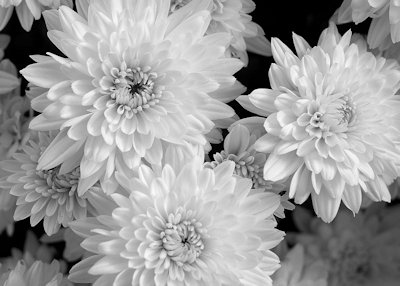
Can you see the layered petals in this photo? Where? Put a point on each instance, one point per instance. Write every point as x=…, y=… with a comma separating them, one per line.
x=332, y=122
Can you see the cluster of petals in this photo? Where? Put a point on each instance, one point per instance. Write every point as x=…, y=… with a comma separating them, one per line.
x=37, y=274
x=27, y=10
x=185, y=226
x=385, y=25
x=48, y=195
x=239, y=148
x=232, y=16
x=332, y=122
x=135, y=80
x=358, y=251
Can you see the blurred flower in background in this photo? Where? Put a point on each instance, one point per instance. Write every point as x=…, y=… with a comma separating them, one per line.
x=361, y=250
x=299, y=269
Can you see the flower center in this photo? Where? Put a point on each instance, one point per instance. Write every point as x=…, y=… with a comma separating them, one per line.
x=134, y=90
x=334, y=116
x=59, y=184
x=182, y=239
x=340, y=112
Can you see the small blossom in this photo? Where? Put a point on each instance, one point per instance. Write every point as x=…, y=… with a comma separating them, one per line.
x=239, y=148
x=332, y=122
x=27, y=10
x=218, y=233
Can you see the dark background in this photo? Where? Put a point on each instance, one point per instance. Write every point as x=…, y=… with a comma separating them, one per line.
x=278, y=19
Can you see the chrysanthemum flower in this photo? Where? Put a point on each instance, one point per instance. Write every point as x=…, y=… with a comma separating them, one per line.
x=37, y=274
x=192, y=226
x=232, y=16
x=48, y=195
x=135, y=80
x=298, y=269
x=239, y=148
x=27, y=10
x=359, y=251
x=385, y=14
x=333, y=122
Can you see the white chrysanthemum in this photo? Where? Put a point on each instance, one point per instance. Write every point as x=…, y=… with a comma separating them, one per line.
x=48, y=195
x=37, y=274
x=232, y=16
x=239, y=148
x=135, y=80
x=193, y=226
x=359, y=251
x=385, y=26
x=333, y=122
x=27, y=10
x=298, y=269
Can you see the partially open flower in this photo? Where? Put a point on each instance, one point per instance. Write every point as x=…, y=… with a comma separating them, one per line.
x=239, y=148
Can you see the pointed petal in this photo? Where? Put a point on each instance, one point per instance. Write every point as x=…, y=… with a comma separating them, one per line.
x=279, y=167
